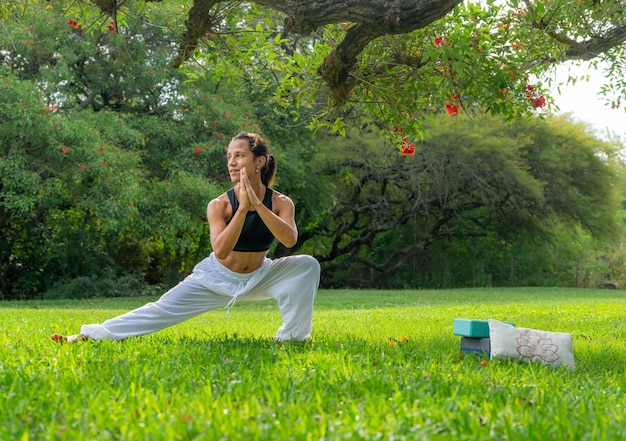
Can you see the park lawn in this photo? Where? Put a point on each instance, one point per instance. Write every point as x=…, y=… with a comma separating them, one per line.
x=381, y=365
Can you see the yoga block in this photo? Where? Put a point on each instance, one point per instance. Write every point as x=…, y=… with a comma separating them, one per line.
x=476, y=345
x=472, y=328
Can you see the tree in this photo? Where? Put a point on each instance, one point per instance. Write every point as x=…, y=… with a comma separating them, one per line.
x=402, y=59
x=107, y=153
x=478, y=179
x=108, y=158
x=64, y=190
x=102, y=170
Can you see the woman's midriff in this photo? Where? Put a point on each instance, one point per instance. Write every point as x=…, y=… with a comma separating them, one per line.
x=244, y=261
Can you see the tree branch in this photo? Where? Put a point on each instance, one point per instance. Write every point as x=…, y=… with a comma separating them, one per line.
x=198, y=24
x=371, y=18
x=591, y=48
x=366, y=20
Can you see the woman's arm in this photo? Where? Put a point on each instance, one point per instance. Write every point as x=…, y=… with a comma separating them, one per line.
x=223, y=236
x=280, y=220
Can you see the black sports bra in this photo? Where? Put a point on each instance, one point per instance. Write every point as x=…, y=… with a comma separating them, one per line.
x=255, y=236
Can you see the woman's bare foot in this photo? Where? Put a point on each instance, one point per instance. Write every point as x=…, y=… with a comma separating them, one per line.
x=68, y=338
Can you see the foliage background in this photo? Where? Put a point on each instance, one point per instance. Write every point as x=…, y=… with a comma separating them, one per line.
x=108, y=158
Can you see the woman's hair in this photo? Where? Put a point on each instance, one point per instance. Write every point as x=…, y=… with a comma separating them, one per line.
x=259, y=147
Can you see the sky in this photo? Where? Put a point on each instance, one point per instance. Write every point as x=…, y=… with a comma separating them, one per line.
x=584, y=104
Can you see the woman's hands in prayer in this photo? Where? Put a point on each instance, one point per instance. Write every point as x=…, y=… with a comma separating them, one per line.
x=247, y=196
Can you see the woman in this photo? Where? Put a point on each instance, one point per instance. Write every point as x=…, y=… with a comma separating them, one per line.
x=244, y=222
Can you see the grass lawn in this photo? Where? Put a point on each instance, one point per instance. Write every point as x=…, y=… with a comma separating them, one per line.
x=381, y=365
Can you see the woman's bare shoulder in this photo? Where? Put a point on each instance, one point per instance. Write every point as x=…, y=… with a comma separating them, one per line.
x=220, y=204
x=280, y=198
x=281, y=201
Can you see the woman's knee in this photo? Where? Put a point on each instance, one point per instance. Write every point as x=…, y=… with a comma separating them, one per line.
x=311, y=264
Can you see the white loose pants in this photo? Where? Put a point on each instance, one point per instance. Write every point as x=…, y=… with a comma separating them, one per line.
x=293, y=281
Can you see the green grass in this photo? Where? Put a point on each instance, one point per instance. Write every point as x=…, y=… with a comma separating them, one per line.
x=222, y=377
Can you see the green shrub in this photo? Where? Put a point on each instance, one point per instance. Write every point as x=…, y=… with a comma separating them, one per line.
x=84, y=287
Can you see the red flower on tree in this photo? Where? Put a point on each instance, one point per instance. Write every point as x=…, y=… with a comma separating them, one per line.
x=518, y=46
x=439, y=41
x=407, y=149
x=537, y=101
x=452, y=109
x=73, y=23
x=65, y=150
x=197, y=150
x=111, y=27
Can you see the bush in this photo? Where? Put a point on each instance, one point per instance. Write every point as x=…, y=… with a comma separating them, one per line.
x=127, y=285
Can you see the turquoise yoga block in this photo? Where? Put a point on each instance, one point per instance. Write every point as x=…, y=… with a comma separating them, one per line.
x=472, y=328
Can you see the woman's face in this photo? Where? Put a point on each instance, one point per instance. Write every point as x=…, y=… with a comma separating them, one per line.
x=239, y=156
